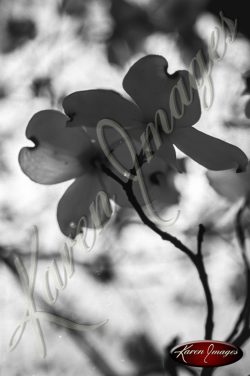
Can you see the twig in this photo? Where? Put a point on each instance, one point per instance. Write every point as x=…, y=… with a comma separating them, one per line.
x=200, y=238
x=204, y=280
x=171, y=366
x=80, y=340
x=196, y=259
x=127, y=186
x=244, y=315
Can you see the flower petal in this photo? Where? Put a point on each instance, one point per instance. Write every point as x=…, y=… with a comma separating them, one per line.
x=124, y=156
x=210, y=152
x=229, y=184
x=167, y=153
x=59, y=152
x=78, y=201
x=87, y=108
x=150, y=86
x=158, y=182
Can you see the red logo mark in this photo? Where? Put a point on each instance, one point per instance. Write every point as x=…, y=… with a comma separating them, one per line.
x=206, y=353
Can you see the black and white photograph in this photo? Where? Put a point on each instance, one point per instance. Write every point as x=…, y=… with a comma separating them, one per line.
x=124, y=188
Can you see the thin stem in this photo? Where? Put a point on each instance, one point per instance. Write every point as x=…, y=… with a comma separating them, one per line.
x=196, y=259
x=127, y=186
x=200, y=238
x=209, y=326
x=244, y=315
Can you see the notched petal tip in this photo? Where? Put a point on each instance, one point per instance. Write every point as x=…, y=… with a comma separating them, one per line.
x=86, y=108
x=242, y=162
x=21, y=157
x=24, y=160
x=152, y=88
x=242, y=168
x=40, y=122
x=34, y=140
x=142, y=64
x=70, y=119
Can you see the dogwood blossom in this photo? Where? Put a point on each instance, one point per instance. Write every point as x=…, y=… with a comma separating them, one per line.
x=62, y=153
x=152, y=89
x=67, y=147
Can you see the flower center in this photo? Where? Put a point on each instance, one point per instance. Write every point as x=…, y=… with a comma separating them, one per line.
x=91, y=160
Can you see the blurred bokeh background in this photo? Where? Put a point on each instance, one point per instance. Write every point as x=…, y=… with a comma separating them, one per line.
x=149, y=291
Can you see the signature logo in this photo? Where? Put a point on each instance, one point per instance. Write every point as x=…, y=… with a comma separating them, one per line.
x=206, y=353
